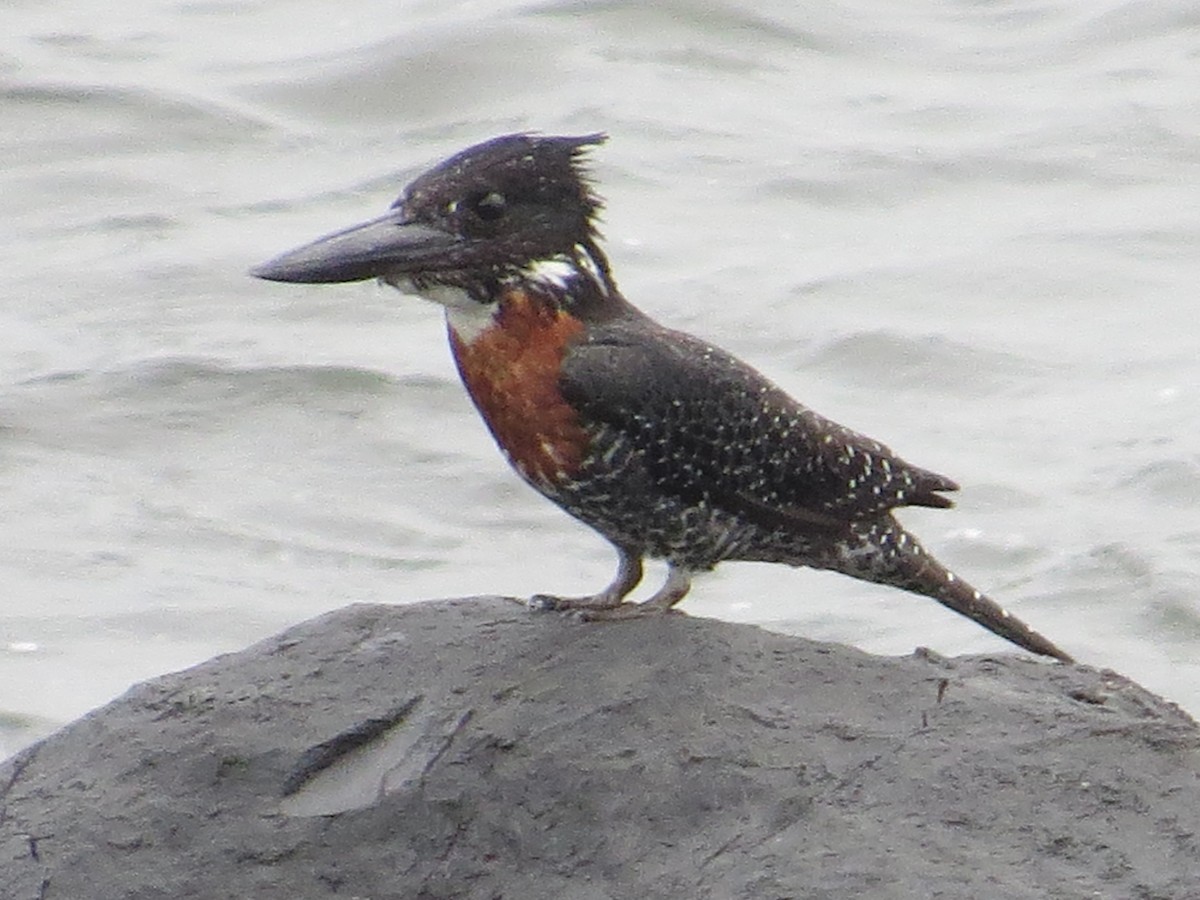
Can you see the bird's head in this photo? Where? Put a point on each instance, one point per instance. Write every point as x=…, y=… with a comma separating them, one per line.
x=506, y=209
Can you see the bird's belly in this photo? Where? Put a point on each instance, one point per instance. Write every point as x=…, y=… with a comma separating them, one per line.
x=614, y=493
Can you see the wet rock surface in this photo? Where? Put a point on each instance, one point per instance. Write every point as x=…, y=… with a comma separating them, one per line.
x=475, y=749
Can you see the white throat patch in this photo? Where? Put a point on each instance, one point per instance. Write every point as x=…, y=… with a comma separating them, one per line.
x=469, y=322
x=469, y=318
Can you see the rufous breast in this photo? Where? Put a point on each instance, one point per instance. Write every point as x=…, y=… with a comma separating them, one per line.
x=511, y=368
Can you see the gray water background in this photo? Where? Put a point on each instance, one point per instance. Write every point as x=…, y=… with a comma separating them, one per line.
x=969, y=229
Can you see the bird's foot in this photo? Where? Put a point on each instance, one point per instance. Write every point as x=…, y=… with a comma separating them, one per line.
x=598, y=608
x=624, y=611
x=608, y=605
x=577, y=606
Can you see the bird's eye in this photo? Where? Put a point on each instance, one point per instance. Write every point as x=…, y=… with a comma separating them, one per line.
x=489, y=206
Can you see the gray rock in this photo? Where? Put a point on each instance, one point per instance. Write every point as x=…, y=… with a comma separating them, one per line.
x=474, y=749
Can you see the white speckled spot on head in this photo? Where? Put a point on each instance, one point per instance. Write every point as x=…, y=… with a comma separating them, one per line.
x=588, y=266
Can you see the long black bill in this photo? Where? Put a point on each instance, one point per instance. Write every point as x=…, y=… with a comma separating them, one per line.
x=383, y=246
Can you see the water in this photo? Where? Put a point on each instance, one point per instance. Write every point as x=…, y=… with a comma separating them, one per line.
x=968, y=229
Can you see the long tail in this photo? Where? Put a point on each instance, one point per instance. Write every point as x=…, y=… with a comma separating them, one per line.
x=890, y=555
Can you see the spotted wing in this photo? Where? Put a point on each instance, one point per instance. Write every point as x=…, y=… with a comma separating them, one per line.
x=708, y=426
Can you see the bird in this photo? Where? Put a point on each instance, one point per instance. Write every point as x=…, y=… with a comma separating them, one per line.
x=668, y=446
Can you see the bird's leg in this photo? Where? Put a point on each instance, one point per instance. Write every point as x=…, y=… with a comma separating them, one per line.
x=679, y=581
x=629, y=573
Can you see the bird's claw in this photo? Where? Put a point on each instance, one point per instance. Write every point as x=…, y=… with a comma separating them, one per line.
x=544, y=602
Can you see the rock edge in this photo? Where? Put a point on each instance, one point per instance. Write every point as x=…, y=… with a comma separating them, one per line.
x=474, y=749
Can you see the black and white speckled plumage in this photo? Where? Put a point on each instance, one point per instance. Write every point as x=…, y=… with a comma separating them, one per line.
x=691, y=425
x=688, y=454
